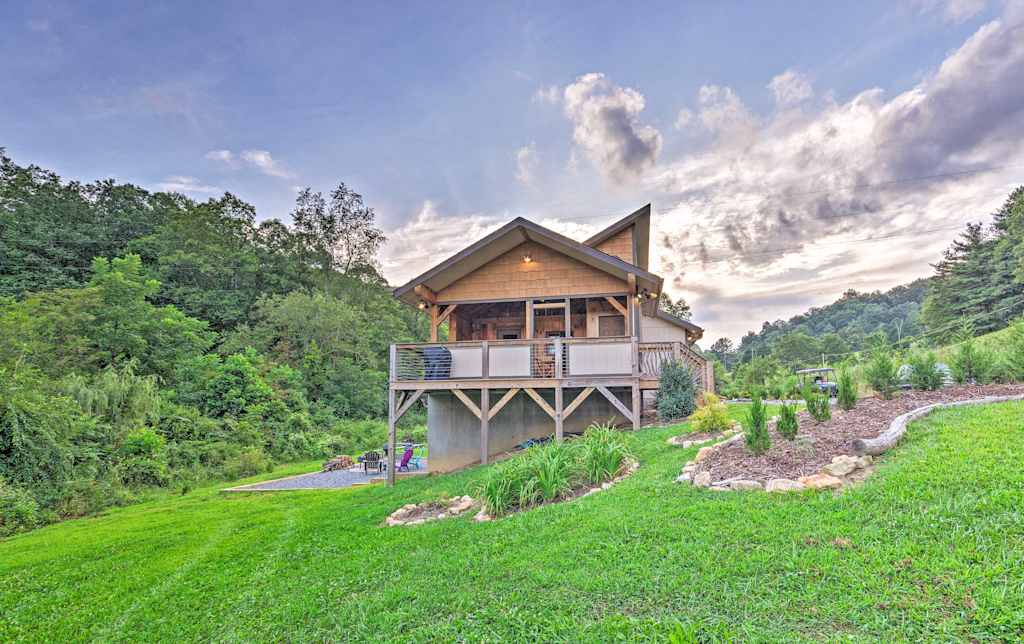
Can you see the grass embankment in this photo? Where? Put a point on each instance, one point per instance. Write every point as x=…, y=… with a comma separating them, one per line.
x=930, y=547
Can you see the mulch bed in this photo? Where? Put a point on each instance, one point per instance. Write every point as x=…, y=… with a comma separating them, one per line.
x=816, y=443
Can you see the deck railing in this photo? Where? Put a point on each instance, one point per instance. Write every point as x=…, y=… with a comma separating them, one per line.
x=506, y=359
x=653, y=355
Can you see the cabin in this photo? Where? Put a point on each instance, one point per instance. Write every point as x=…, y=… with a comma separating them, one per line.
x=532, y=335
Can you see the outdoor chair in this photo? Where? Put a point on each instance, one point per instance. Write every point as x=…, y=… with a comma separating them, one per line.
x=406, y=457
x=372, y=460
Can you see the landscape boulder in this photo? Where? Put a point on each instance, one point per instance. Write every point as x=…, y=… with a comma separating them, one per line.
x=841, y=466
x=744, y=484
x=821, y=481
x=785, y=485
x=702, y=479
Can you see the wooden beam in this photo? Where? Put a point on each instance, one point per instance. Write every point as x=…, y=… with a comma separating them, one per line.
x=425, y=293
x=558, y=414
x=568, y=318
x=392, y=423
x=470, y=405
x=618, y=307
x=638, y=402
x=504, y=400
x=537, y=398
x=433, y=323
x=448, y=310
x=571, y=407
x=529, y=319
x=549, y=305
x=485, y=430
x=409, y=401
x=615, y=402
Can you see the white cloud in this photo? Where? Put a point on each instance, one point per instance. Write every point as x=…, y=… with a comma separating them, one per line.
x=790, y=88
x=551, y=95
x=260, y=160
x=606, y=127
x=764, y=230
x=683, y=118
x=224, y=156
x=185, y=184
x=953, y=11
x=723, y=113
x=526, y=164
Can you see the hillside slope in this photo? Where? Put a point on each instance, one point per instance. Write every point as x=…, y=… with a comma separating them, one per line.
x=895, y=559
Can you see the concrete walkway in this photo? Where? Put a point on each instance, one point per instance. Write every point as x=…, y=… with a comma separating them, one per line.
x=321, y=480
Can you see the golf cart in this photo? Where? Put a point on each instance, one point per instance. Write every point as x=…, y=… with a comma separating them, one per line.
x=818, y=379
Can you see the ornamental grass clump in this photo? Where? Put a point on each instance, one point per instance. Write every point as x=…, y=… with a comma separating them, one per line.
x=554, y=471
x=788, y=423
x=755, y=429
x=846, y=395
x=712, y=415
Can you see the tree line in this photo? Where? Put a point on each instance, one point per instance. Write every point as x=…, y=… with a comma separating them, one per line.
x=148, y=340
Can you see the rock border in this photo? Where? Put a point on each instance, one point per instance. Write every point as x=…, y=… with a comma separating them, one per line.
x=409, y=514
x=631, y=467
x=891, y=436
x=680, y=440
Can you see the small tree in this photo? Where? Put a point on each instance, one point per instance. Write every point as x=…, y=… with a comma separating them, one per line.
x=847, y=394
x=788, y=423
x=881, y=372
x=755, y=429
x=924, y=371
x=677, y=391
x=817, y=405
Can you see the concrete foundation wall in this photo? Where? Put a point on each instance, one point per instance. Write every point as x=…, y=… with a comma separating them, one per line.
x=453, y=432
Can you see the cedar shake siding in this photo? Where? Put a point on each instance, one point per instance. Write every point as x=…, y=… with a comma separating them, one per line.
x=550, y=273
x=620, y=245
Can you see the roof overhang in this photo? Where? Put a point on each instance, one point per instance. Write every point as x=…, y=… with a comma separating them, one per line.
x=508, y=237
x=693, y=331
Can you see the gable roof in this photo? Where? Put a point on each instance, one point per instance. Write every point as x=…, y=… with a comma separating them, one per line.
x=641, y=220
x=506, y=238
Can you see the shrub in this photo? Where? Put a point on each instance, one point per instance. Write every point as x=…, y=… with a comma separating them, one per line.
x=677, y=391
x=924, y=371
x=847, y=393
x=712, y=415
x=788, y=423
x=18, y=510
x=971, y=363
x=818, y=406
x=880, y=372
x=755, y=429
x=1014, y=355
x=249, y=462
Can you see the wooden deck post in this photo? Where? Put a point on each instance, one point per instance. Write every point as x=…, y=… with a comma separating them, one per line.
x=558, y=413
x=485, y=417
x=637, y=404
x=392, y=423
x=529, y=319
x=433, y=323
x=485, y=359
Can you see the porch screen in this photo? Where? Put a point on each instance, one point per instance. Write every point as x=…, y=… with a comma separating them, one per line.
x=611, y=325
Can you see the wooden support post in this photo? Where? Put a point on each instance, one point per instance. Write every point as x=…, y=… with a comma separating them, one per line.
x=614, y=400
x=571, y=407
x=631, y=305
x=485, y=359
x=677, y=350
x=392, y=424
x=543, y=404
x=529, y=319
x=433, y=323
x=392, y=363
x=485, y=417
x=635, y=357
x=467, y=401
x=637, y=405
x=509, y=395
x=559, y=352
x=568, y=318
x=558, y=413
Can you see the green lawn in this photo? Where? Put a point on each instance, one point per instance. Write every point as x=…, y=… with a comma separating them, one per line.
x=935, y=551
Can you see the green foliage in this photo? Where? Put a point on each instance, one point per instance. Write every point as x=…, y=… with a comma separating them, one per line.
x=677, y=391
x=797, y=349
x=755, y=427
x=18, y=510
x=755, y=374
x=924, y=370
x=788, y=424
x=846, y=394
x=553, y=471
x=880, y=372
x=711, y=416
x=1014, y=352
x=818, y=405
x=971, y=363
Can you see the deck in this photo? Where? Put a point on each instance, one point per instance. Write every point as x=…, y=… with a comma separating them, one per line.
x=507, y=367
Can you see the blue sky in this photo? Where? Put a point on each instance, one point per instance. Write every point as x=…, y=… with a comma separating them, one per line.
x=452, y=117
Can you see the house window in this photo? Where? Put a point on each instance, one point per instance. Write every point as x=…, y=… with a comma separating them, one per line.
x=611, y=325
x=508, y=334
